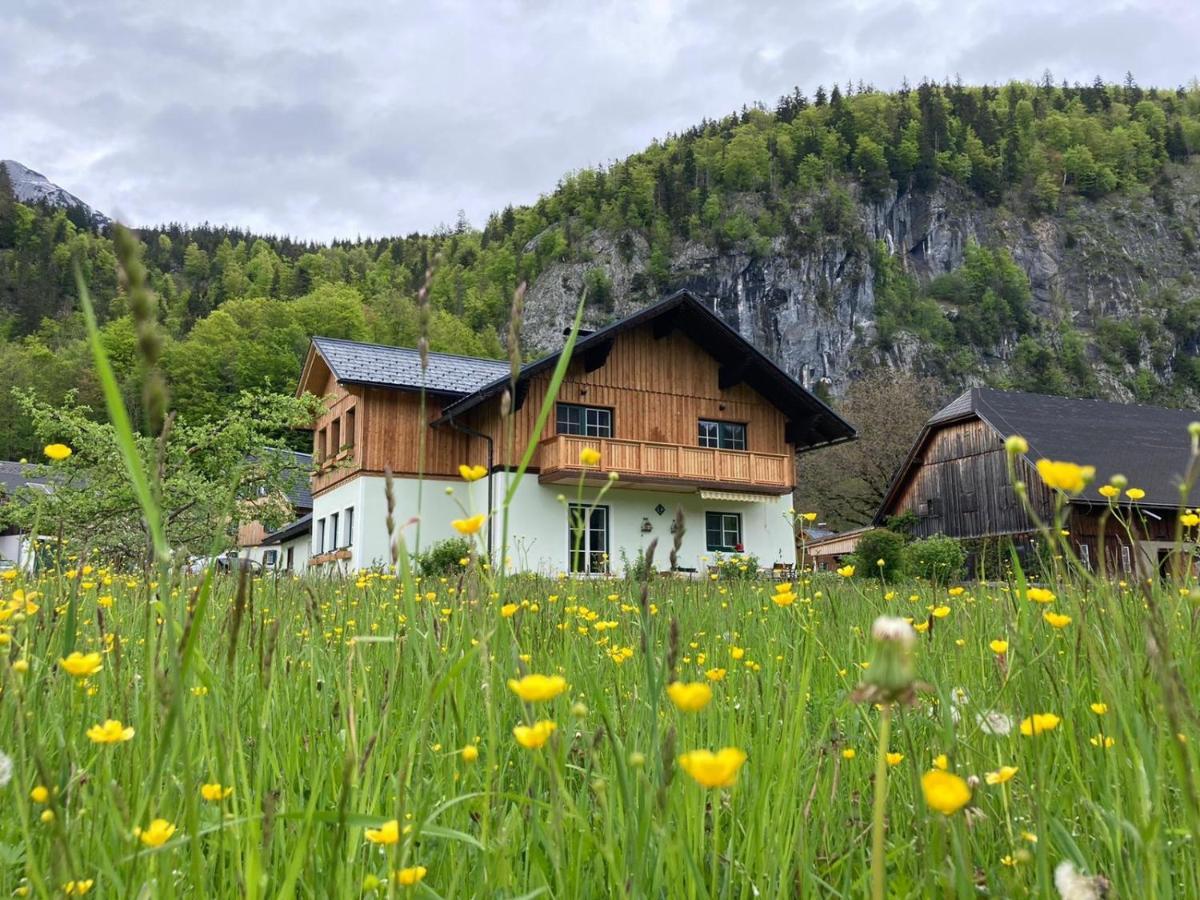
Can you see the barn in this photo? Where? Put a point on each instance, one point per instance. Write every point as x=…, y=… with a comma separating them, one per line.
x=956, y=482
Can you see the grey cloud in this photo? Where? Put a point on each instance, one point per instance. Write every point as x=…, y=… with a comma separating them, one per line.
x=322, y=120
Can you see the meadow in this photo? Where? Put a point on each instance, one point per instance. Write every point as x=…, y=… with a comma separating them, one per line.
x=369, y=737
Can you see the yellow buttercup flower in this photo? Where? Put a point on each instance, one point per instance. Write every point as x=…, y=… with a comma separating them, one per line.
x=1001, y=775
x=409, y=876
x=1067, y=477
x=809, y=516
x=783, y=598
x=57, y=452
x=945, y=792
x=215, y=792
x=999, y=647
x=508, y=610
x=471, y=473
x=1189, y=520
x=469, y=753
x=713, y=770
x=589, y=456
x=157, y=834
x=1102, y=740
x=78, y=887
x=941, y=612
x=691, y=696
x=388, y=833
x=1058, y=620
x=39, y=794
x=1099, y=708
x=1039, y=723
x=1040, y=595
x=715, y=674
x=538, y=688
x=846, y=571
x=534, y=736
x=849, y=753
x=1109, y=491
x=1135, y=493
x=941, y=761
x=82, y=665
x=894, y=759
x=111, y=732
x=1016, y=445
x=470, y=525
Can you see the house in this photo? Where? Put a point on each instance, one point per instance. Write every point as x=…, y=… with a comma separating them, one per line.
x=955, y=480
x=16, y=478
x=826, y=552
x=681, y=408
x=253, y=540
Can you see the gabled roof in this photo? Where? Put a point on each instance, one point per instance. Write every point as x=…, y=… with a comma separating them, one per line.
x=1149, y=445
x=291, y=531
x=377, y=365
x=811, y=423
x=297, y=472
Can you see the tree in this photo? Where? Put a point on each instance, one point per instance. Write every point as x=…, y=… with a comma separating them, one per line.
x=215, y=473
x=846, y=483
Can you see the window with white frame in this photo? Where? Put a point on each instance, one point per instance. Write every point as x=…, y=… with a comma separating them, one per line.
x=722, y=435
x=723, y=532
x=333, y=532
x=348, y=527
x=588, y=421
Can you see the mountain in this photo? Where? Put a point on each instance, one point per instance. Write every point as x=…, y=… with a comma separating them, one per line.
x=1029, y=236
x=35, y=188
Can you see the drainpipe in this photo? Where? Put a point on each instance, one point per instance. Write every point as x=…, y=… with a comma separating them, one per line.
x=457, y=426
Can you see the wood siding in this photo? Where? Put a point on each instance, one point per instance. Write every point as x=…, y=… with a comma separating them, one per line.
x=959, y=486
x=658, y=389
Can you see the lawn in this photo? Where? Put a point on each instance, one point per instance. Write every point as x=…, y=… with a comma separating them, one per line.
x=278, y=727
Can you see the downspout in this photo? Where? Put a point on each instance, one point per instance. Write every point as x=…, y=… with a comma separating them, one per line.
x=490, y=460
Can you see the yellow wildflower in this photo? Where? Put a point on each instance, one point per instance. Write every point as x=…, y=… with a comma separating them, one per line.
x=81, y=665
x=713, y=770
x=215, y=792
x=57, y=452
x=388, y=833
x=690, y=696
x=471, y=473
x=999, y=647
x=111, y=732
x=469, y=753
x=1001, y=775
x=1038, y=723
x=846, y=571
x=1058, y=620
x=589, y=456
x=157, y=834
x=945, y=792
x=1040, y=595
x=1099, y=708
x=894, y=759
x=1065, y=476
x=537, y=688
x=1135, y=493
x=470, y=525
x=531, y=737
x=409, y=876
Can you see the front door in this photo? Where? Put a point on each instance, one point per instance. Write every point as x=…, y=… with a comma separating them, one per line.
x=587, y=539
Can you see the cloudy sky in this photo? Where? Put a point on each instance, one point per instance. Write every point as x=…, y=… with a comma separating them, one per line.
x=344, y=118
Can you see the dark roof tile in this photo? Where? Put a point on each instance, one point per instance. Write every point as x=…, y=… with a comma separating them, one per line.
x=400, y=367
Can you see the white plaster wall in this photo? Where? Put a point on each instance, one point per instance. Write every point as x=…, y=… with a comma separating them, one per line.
x=15, y=547
x=423, y=513
x=538, y=537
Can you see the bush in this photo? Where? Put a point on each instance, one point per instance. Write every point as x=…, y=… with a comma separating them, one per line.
x=737, y=566
x=937, y=558
x=442, y=558
x=876, y=545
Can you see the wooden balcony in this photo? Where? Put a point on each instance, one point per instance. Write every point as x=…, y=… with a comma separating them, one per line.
x=673, y=467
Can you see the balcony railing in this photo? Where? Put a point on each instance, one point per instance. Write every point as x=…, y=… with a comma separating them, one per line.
x=667, y=464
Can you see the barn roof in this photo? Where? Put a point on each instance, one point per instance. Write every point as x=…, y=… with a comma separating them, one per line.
x=291, y=531
x=1149, y=445
x=377, y=365
x=811, y=423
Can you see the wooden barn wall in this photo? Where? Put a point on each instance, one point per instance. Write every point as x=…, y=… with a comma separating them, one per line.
x=657, y=388
x=963, y=468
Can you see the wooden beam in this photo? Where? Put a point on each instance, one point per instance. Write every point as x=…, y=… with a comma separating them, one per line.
x=595, y=357
x=731, y=374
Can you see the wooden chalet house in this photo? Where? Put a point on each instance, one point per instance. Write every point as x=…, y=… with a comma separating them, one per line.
x=680, y=406
x=956, y=482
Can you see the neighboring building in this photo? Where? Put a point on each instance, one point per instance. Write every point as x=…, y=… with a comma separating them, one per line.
x=252, y=537
x=15, y=545
x=289, y=548
x=825, y=552
x=955, y=480
x=679, y=405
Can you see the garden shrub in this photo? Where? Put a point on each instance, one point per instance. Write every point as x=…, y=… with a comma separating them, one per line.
x=938, y=558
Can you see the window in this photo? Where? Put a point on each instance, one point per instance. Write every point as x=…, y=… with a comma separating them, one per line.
x=291, y=557
x=587, y=539
x=722, y=435
x=1085, y=556
x=270, y=557
x=723, y=531
x=348, y=528
x=319, y=537
x=319, y=446
x=348, y=435
x=333, y=531
x=1125, y=559
x=335, y=437
x=589, y=421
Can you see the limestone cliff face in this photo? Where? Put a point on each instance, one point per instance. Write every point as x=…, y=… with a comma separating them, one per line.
x=810, y=304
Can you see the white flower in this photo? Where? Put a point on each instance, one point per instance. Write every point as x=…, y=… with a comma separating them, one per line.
x=1073, y=886
x=893, y=628
x=6, y=768
x=992, y=722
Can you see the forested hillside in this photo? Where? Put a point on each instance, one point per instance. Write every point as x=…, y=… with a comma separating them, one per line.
x=1030, y=235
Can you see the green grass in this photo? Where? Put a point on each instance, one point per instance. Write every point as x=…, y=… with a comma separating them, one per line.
x=346, y=703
